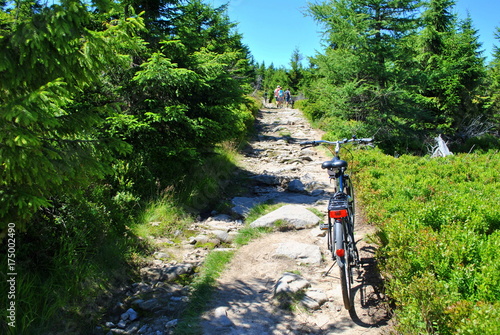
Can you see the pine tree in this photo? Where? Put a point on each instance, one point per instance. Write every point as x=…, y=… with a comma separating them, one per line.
x=185, y=96
x=295, y=74
x=49, y=143
x=452, y=68
x=157, y=15
x=470, y=72
x=494, y=82
x=438, y=26
x=360, y=67
x=438, y=22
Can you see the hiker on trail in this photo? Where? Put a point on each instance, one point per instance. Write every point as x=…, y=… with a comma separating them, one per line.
x=280, y=96
x=277, y=95
x=288, y=98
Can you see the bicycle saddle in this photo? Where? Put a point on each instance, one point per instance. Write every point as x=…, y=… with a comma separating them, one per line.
x=335, y=163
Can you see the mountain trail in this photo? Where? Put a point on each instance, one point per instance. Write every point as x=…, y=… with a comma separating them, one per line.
x=244, y=301
x=280, y=283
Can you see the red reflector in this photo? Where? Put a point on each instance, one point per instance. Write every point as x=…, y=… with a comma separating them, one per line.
x=340, y=252
x=338, y=214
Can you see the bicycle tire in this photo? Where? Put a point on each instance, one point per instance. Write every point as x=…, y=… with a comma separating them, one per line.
x=344, y=263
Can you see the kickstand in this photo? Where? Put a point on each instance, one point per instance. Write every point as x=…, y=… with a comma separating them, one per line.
x=330, y=269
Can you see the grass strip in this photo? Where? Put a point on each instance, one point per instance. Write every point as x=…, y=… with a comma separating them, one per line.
x=202, y=289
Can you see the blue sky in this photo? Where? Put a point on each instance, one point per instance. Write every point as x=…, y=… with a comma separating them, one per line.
x=273, y=29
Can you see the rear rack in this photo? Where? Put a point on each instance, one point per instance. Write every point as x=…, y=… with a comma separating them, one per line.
x=338, y=201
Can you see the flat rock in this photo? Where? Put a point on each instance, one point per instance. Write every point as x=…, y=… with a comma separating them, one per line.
x=302, y=252
x=153, y=274
x=313, y=298
x=243, y=205
x=295, y=215
x=290, y=283
x=149, y=305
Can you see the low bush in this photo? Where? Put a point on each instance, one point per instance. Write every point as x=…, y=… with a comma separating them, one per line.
x=438, y=223
x=74, y=254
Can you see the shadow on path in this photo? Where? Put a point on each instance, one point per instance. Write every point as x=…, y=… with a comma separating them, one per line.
x=370, y=308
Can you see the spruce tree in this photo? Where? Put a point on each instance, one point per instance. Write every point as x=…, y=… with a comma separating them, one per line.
x=295, y=74
x=50, y=144
x=359, y=70
x=494, y=82
x=452, y=69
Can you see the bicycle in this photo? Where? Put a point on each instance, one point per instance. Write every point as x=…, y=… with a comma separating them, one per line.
x=340, y=226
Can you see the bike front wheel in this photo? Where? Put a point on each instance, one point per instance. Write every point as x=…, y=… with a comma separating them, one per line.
x=349, y=190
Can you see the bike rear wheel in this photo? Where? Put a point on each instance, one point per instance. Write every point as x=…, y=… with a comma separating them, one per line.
x=344, y=256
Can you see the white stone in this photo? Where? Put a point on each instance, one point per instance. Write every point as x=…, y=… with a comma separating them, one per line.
x=304, y=253
x=290, y=283
x=296, y=215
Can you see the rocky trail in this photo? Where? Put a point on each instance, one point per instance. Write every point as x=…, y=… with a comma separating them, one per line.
x=253, y=293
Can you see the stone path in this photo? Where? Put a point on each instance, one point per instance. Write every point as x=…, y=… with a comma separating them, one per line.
x=248, y=298
x=274, y=285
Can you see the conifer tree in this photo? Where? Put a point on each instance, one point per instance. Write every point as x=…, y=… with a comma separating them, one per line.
x=157, y=16
x=452, y=68
x=494, y=81
x=295, y=74
x=49, y=143
x=360, y=65
x=185, y=96
x=469, y=73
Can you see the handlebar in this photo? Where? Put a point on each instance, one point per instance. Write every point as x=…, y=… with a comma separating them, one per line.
x=344, y=141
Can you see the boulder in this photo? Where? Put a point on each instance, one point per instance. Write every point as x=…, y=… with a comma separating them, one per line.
x=243, y=205
x=296, y=186
x=290, y=283
x=295, y=215
x=313, y=298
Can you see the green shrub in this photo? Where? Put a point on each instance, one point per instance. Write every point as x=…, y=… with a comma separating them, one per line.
x=439, y=237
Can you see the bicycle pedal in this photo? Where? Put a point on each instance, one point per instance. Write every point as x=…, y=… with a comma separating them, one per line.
x=323, y=226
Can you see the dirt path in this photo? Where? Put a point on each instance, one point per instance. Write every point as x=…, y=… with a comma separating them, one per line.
x=243, y=302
